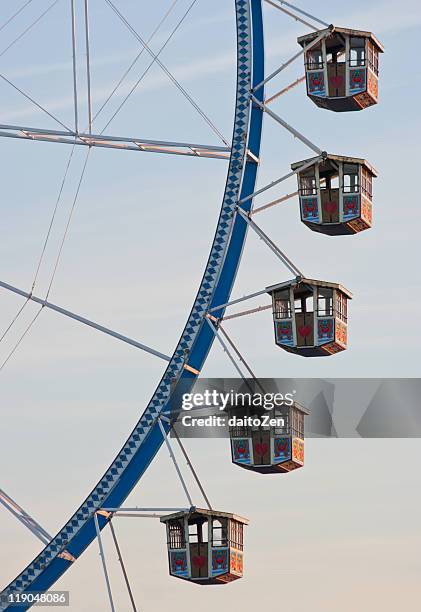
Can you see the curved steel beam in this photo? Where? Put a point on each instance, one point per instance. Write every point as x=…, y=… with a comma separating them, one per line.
x=196, y=339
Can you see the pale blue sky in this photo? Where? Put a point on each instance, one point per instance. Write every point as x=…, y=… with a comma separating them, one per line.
x=346, y=524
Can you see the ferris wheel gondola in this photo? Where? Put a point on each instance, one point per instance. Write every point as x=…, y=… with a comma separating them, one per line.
x=342, y=68
x=205, y=546
x=335, y=194
x=275, y=448
x=310, y=317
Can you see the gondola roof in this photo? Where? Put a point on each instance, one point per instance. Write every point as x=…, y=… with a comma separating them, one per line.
x=206, y=512
x=318, y=283
x=339, y=158
x=307, y=38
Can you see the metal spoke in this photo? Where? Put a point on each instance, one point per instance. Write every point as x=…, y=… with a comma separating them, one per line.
x=123, y=567
x=174, y=460
x=88, y=66
x=251, y=296
x=224, y=346
x=53, y=217
x=104, y=563
x=167, y=72
x=74, y=64
x=13, y=321
x=284, y=198
x=104, y=104
x=288, y=127
x=67, y=313
x=145, y=72
x=30, y=523
x=40, y=260
x=237, y=352
x=189, y=463
x=238, y=300
x=266, y=187
x=295, y=17
x=22, y=516
x=116, y=511
x=284, y=90
x=298, y=10
x=279, y=180
x=216, y=327
x=292, y=59
x=66, y=230
x=244, y=313
x=28, y=97
x=116, y=142
x=28, y=28
x=21, y=339
x=6, y=23
x=275, y=249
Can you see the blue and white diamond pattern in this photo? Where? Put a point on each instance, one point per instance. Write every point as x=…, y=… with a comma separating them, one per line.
x=192, y=328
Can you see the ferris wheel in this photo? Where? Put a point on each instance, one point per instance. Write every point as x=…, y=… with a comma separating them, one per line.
x=310, y=316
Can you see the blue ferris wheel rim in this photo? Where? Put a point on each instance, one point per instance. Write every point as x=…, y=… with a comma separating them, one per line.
x=197, y=337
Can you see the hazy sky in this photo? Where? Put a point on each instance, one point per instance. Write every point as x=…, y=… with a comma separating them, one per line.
x=338, y=536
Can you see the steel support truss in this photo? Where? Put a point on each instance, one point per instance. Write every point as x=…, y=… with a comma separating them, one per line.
x=115, y=142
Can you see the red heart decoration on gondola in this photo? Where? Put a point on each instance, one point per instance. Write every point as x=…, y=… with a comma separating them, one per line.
x=337, y=80
x=331, y=207
x=305, y=330
x=261, y=449
x=199, y=561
